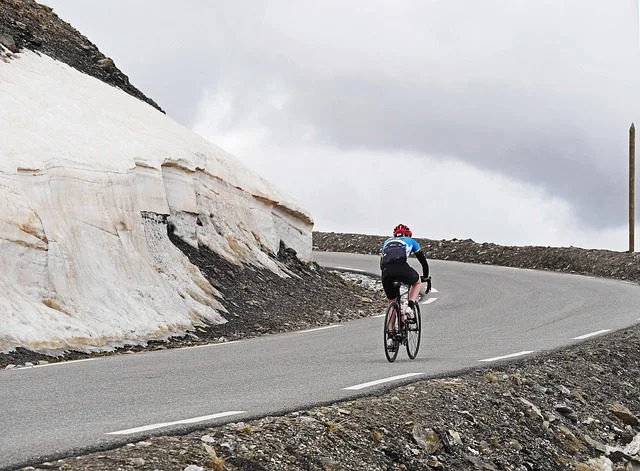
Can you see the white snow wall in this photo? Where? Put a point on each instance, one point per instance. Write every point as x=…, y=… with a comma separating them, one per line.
x=88, y=177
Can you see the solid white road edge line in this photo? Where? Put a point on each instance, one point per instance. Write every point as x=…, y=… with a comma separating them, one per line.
x=209, y=345
x=512, y=355
x=592, y=334
x=380, y=381
x=350, y=269
x=57, y=363
x=64, y=362
x=177, y=422
x=429, y=301
x=316, y=329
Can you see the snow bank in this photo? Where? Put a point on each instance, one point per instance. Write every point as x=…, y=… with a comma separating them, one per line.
x=89, y=178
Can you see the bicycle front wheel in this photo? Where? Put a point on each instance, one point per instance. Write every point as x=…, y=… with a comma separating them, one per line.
x=391, y=332
x=414, y=329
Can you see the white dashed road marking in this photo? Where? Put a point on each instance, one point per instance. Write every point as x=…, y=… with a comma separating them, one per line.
x=380, y=381
x=592, y=334
x=433, y=290
x=429, y=301
x=512, y=355
x=177, y=422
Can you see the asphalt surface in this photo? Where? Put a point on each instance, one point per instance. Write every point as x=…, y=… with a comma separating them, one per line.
x=478, y=315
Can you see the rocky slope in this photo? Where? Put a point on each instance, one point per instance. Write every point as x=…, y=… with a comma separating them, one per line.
x=29, y=25
x=250, y=311
x=572, y=409
x=593, y=262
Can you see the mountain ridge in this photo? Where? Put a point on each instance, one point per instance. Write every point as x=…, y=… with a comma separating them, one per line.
x=30, y=25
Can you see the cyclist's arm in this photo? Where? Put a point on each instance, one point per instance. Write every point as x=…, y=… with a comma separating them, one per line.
x=423, y=261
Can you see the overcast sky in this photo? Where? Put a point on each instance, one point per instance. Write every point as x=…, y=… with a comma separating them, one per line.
x=498, y=120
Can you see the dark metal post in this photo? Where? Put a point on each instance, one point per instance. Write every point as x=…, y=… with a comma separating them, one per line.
x=632, y=186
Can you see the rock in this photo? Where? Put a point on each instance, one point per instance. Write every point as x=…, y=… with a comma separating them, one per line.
x=434, y=463
x=633, y=448
x=540, y=389
x=428, y=440
x=623, y=414
x=570, y=442
x=106, y=63
x=515, y=444
x=601, y=447
x=8, y=42
x=578, y=396
x=305, y=419
x=564, y=390
x=467, y=415
x=229, y=447
x=595, y=464
x=329, y=464
x=567, y=411
x=454, y=437
x=193, y=467
x=533, y=411
x=477, y=463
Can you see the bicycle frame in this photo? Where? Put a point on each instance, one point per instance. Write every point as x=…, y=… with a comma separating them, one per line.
x=398, y=301
x=407, y=328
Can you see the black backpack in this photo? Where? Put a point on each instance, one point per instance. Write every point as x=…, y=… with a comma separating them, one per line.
x=394, y=252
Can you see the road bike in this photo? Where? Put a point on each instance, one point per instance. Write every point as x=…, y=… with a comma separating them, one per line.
x=400, y=328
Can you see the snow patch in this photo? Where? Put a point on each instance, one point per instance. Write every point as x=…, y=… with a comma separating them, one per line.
x=91, y=179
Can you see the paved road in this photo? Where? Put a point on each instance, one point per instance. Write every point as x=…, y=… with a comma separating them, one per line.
x=479, y=314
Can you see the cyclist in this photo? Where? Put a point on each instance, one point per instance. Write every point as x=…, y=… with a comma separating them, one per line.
x=393, y=263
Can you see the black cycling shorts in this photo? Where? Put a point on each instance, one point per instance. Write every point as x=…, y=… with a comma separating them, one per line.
x=401, y=272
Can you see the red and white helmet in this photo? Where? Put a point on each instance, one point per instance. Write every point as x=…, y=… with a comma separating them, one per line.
x=402, y=230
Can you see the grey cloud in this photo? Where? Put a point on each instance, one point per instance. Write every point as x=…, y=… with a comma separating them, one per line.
x=539, y=91
x=513, y=132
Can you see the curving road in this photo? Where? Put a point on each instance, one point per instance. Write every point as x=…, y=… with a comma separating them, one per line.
x=478, y=315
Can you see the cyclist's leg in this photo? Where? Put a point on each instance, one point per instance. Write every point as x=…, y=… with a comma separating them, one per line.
x=414, y=290
x=410, y=277
x=391, y=292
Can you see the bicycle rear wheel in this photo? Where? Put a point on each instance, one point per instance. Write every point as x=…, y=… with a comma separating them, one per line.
x=414, y=330
x=391, y=332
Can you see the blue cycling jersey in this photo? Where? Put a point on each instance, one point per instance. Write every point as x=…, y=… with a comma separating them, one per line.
x=397, y=249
